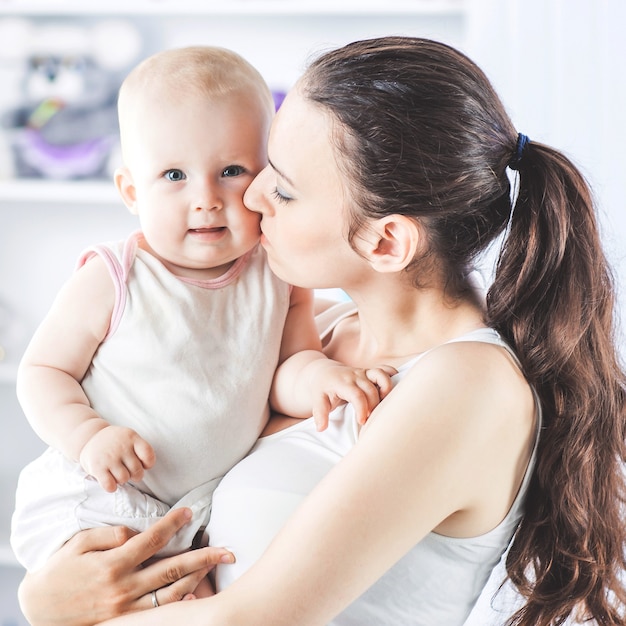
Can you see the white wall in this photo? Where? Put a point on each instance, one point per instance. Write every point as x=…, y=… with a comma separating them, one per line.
x=279, y=48
x=560, y=67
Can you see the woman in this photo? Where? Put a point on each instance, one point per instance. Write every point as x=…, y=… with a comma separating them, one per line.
x=388, y=177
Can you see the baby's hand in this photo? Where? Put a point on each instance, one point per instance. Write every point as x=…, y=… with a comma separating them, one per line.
x=115, y=455
x=333, y=384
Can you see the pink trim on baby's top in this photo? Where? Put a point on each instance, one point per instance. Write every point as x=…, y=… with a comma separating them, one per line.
x=225, y=279
x=118, y=273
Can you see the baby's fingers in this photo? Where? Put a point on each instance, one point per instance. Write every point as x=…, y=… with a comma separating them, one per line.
x=381, y=377
x=139, y=458
x=145, y=453
x=106, y=479
x=134, y=469
x=375, y=385
x=363, y=398
x=321, y=411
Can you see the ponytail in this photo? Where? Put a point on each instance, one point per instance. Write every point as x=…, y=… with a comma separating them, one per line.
x=429, y=138
x=552, y=299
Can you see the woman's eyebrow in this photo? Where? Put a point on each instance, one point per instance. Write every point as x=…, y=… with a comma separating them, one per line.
x=286, y=178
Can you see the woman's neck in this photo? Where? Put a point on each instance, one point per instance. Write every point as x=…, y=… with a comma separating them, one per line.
x=395, y=323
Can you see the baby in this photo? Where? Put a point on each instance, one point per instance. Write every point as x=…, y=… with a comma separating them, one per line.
x=150, y=376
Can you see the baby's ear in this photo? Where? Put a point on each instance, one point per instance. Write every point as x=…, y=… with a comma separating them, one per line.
x=124, y=183
x=394, y=241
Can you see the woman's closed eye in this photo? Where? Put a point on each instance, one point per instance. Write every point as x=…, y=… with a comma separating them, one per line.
x=281, y=196
x=174, y=175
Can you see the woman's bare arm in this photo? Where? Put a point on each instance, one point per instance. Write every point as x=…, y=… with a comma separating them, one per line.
x=434, y=455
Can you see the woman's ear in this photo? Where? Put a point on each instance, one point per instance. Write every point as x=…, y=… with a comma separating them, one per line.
x=393, y=242
x=124, y=183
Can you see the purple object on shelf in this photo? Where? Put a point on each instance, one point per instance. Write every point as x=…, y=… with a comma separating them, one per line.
x=63, y=161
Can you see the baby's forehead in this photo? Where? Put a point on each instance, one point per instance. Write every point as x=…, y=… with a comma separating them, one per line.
x=168, y=128
x=166, y=96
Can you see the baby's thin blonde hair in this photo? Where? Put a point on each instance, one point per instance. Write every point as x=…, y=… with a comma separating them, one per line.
x=207, y=72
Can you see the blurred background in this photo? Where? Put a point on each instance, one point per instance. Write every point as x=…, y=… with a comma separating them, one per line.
x=558, y=65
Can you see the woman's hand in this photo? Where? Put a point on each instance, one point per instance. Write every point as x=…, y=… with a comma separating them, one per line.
x=98, y=574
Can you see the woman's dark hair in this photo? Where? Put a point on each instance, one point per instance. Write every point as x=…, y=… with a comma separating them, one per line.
x=427, y=137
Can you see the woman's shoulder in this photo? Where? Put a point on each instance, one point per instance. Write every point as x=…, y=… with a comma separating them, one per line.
x=478, y=367
x=471, y=388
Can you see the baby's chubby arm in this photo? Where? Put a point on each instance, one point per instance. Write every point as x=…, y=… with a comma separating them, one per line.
x=307, y=383
x=49, y=376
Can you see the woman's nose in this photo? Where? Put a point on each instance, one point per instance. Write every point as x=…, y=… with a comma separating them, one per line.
x=254, y=198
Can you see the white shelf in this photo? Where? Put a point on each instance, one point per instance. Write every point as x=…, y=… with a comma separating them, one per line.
x=250, y=7
x=58, y=192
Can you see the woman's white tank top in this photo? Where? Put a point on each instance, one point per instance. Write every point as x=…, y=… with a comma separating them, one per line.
x=436, y=584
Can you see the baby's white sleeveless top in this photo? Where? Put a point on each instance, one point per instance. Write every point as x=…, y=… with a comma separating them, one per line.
x=436, y=584
x=188, y=364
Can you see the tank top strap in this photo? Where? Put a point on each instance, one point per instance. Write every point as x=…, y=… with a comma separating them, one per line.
x=328, y=319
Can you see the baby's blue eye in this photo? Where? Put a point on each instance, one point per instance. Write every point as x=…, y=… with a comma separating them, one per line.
x=233, y=170
x=175, y=175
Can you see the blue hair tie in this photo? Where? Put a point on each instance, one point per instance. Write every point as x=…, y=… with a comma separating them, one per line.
x=522, y=141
